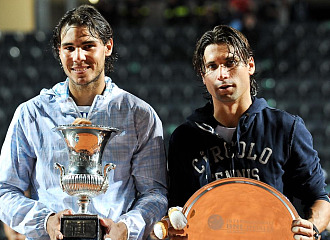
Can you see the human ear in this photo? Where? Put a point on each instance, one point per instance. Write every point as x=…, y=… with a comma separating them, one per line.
x=251, y=66
x=109, y=47
x=203, y=78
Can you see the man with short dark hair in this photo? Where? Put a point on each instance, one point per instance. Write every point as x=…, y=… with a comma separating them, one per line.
x=237, y=134
x=136, y=197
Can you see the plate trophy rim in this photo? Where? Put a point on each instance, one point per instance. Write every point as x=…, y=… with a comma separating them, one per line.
x=85, y=126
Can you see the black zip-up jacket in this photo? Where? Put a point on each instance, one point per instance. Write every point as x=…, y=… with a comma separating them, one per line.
x=269, y=145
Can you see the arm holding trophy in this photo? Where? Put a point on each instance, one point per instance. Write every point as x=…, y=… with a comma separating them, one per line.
x=17, y=163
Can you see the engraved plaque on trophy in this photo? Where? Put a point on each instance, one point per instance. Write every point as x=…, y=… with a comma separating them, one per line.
x=84, y=176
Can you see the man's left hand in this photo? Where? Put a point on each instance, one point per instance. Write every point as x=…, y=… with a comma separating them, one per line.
x=302, y=229
x=114, y=231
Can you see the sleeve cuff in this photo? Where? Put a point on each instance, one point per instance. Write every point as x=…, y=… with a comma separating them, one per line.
x=135, y=225
x=128, y=231
x=46, y=219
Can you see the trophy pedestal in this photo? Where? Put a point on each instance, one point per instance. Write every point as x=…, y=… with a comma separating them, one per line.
x=81, y=227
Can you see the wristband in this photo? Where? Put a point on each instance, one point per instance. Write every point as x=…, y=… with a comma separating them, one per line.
x=317, y=233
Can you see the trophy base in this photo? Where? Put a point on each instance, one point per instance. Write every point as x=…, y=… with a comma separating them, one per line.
x=81, y=227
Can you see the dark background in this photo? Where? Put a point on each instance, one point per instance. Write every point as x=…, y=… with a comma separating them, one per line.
x=155, y=41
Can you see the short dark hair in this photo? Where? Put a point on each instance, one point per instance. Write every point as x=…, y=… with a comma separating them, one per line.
x=231, y=37
x=85, y=15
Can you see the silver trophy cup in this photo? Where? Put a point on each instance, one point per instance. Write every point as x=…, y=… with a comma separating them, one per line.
x=84, y=176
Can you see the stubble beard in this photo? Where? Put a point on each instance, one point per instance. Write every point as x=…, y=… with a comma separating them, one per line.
x=93, y=84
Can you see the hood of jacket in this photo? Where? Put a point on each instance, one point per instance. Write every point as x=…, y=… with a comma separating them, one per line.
x=60, y=94
x=61, y=89
x=205, y=114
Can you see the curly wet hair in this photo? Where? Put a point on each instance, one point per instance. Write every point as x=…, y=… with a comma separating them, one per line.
x=97, y=25
x=224, y=34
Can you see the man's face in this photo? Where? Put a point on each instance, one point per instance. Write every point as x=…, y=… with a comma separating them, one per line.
x=83, y=55
x=226, y=78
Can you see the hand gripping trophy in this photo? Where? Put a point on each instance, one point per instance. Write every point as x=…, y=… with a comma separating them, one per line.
x=84, y=177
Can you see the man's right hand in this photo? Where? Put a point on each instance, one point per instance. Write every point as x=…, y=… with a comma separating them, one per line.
x=78, y=121
x=54, y=224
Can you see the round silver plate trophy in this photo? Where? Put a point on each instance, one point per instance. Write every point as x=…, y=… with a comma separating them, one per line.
x=84, y=176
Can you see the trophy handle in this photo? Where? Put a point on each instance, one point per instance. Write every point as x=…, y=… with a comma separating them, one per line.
x=62, y=170
x=107, y=168
x=60, y=167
